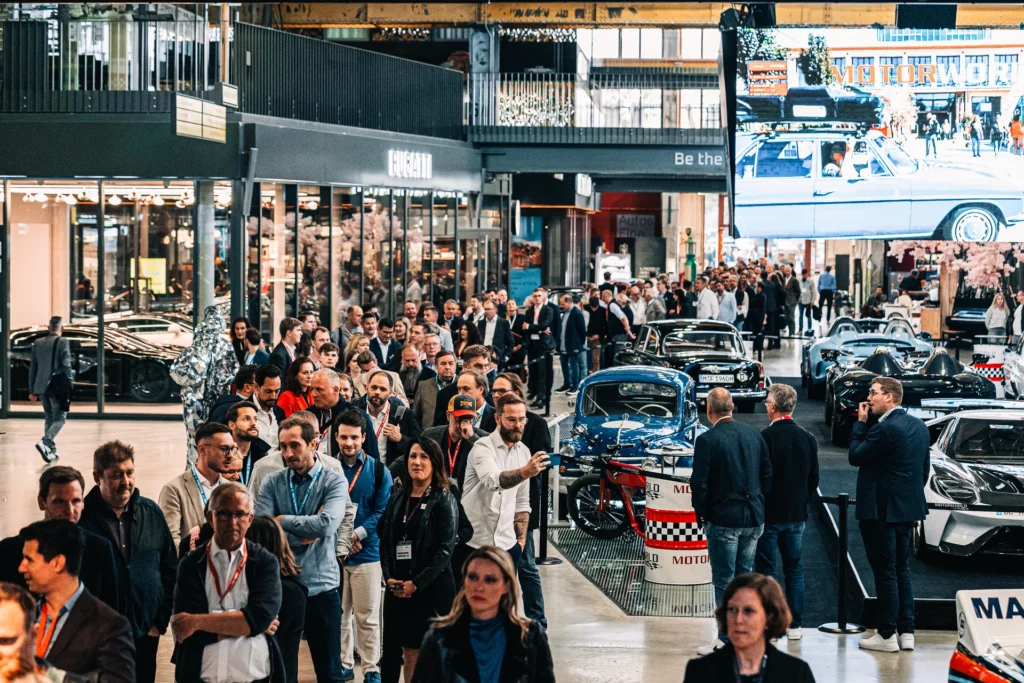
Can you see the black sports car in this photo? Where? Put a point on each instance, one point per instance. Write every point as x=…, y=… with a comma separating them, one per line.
x=709, y=351
x=135, y=370
x=938, y=376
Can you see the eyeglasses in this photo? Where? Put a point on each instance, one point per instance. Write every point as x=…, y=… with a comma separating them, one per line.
x=514, y=420
x=224, y=450
x=499, y=392
x=228, y=515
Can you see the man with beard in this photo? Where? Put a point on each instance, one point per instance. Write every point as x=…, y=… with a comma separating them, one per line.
x=183, y=498
x=411, y=311
x=268, y=383
x=411, y=373
x=146, y=556
x=62, y=496
x=241, y=420
x=497, y=498
x=328, y=403
x=245, y=387
x=309, y=501
x=368, y=365
x=393, y=424
x=424, y=402
x=77, y=632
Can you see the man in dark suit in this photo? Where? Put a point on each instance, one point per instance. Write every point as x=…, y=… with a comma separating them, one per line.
x=540, y=323
x=392, y=422
x=62, y=496
x=383, y=345
x=893, y=457
x=78, y=632
x=791, y=287
x=284, y=353
x=732, y=473
x=234, y=634
x=572, y=345
x=254, y=353
x=794, y=455
x=453, y=322
x=496, y=332
x=245, y=386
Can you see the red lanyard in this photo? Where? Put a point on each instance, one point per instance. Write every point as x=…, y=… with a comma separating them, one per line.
x=352, y=484
x=453, y=453
x=44, y=636
x=216, y=577
x=383, y=420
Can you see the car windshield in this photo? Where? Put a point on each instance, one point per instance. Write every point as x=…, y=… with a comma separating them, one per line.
x=685, y=341
x=862, y=326
x=866, y=348
x=614, y=399
x=989, y=441
x=898, y=158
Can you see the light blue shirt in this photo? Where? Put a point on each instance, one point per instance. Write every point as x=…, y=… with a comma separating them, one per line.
x=727, y=308
x=827, y=281
x=887, y=414
x=319, y=518
x=62, y=616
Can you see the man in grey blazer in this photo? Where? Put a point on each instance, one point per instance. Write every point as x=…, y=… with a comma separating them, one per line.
x=49, y=357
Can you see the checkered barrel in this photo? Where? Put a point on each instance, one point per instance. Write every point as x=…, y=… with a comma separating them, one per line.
x=675, y=550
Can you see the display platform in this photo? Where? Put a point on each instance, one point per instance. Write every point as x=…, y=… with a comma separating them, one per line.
x=616, y=566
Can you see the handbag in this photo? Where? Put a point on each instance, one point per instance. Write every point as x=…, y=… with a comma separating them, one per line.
x=59, y=386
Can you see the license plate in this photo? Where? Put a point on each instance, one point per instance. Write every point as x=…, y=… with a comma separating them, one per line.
x=714, y=379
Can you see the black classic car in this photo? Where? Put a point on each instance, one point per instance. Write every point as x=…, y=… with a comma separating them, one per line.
x=135, y=370
x=709, y=351
x=923, y=376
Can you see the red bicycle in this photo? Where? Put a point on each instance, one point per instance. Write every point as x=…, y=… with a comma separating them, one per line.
x=610, y=497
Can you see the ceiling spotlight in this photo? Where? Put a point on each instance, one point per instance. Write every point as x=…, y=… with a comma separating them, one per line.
x=156, y=200
x=311, y=205
x=70, y=199
x=180, y=204
x=114, y=200
x=27, y=197
x=40, y=197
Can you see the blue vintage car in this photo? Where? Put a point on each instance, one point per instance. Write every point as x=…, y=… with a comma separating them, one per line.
x=645, y=408
x=852, y=341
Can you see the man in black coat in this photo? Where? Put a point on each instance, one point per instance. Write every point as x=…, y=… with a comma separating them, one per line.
x=147, y=560
x=392, y=422
x=245, y=386
x=496, y=332
x=284, y=353
x=62, y=496
x=572, y=345
x=732, y=473
x=892, y=455
x=540, y=325
x=93, y=640
x=239, y=628
x=794, y=455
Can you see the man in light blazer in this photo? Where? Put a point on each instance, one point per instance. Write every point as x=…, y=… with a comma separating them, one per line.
x=183, y=499
x=424, y=403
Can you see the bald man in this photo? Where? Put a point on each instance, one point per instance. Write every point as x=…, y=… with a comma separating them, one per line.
x=731, y=476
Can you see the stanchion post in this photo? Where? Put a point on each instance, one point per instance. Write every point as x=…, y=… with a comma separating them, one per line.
x=542, y=548
x=842, y=626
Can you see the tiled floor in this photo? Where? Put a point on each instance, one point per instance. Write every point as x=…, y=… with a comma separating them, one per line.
x=591, y=638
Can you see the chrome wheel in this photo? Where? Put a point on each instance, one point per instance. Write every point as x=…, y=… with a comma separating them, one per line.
x=973, y=224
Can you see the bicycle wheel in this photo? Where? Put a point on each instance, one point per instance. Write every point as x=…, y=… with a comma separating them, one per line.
x=601, y=521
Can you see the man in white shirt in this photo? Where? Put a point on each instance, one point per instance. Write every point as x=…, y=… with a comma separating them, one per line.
x=497, y=493
x=707, y=302
x=638, y=306
x=726, y=303
x=226, y=599
x=268, y=381
x=476, y=310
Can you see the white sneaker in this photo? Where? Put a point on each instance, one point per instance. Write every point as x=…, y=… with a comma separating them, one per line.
x=716, y=644
x=48, y=454
x=794, y=633
x=880, y=644
x=906, y=641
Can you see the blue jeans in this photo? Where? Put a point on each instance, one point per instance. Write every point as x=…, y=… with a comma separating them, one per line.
x=975, y=146
x=55, y=418
x=731, y=551
x=789, y=538
x=930, y=146
x=888, y=548
x=323, y=635
x=580, y=359
x=529, y=583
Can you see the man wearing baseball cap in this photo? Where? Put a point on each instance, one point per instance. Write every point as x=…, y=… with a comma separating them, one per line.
x=456, y=438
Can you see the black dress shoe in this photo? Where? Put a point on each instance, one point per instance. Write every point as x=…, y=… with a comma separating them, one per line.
x=537, y=404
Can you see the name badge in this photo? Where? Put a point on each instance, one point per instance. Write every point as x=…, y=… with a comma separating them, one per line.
x=403, y=551
x=535, y=336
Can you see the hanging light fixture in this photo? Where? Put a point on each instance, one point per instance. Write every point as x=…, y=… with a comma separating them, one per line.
x=70, y=200
x=114, y=200
x=41, y=197
x=311, y=205
x=156, y=200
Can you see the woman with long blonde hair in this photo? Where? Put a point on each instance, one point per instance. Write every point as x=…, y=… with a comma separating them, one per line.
x=483, y=638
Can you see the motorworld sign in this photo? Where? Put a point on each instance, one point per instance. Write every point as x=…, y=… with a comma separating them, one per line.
x=942, y=74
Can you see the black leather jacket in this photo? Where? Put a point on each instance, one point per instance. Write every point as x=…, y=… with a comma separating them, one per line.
x=438, y=532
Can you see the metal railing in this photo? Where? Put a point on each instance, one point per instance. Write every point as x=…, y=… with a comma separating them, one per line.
x=569, y=100
x=290, y=76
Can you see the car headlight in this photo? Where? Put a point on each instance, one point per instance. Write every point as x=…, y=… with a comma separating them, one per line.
x=954, y=488
x=568, y=451
x=742, y=376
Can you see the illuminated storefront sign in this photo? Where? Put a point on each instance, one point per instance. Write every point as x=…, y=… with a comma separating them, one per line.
x=922, y=74
x=412, y=165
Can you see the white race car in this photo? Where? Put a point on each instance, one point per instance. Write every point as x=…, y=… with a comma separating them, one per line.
x=975, y=489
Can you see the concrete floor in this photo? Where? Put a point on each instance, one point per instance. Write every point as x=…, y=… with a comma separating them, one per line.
x=591, y=639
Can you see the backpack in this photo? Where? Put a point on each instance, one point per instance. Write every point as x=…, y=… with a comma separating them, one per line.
x=59, y=385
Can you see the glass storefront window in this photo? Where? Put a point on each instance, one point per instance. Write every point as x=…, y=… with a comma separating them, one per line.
x=314, y=206
x=416, y=237
x=347, y=252
x=222, y=244
x=277, y=257
x=381, y=236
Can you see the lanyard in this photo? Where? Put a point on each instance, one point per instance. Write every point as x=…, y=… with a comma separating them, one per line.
x=453, y=453
x=45, y=635
x=355, y=478
x=405, y=518
x=758, y=677
x=383, y=420
x=199, y=485
x=216, y=578
x=295, y=501
x=248, y=470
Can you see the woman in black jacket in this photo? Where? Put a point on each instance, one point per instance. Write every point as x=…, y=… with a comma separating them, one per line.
x=753, y=611
x=417, y=536
x=483, y=639
x=268, y=533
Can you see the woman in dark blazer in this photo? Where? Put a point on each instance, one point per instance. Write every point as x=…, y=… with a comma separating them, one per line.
x=753, y=611
x=417, y=536
x=268, y=533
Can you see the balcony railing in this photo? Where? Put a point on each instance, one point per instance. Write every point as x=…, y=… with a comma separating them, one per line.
x=625, y=109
